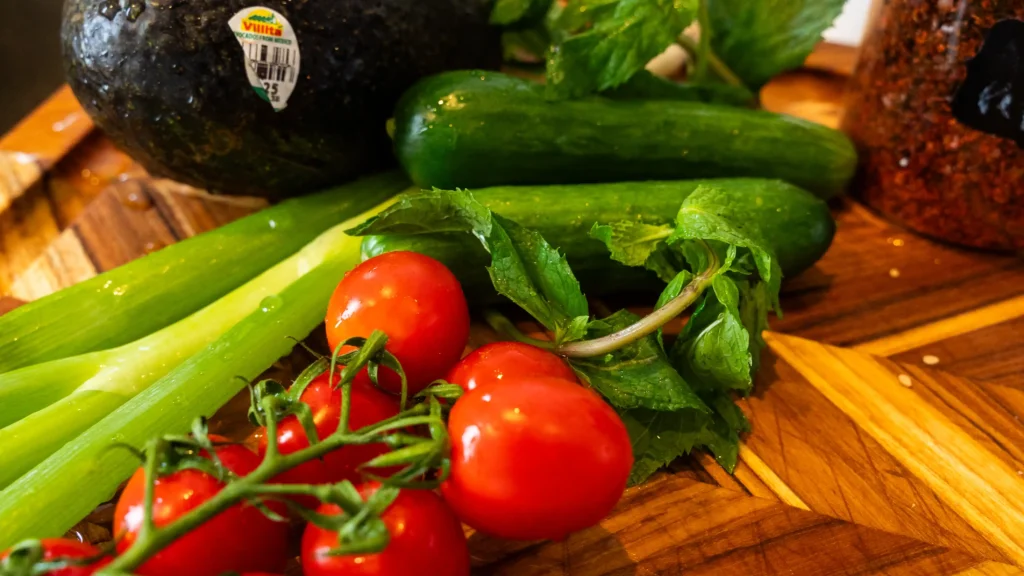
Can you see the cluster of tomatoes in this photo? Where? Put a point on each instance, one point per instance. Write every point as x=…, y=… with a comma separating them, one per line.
x=535, y=455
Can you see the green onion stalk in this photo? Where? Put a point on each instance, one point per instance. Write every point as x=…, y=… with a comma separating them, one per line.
x=139, y=298
x=191, y=368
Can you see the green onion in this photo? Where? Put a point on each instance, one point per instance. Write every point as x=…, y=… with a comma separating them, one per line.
x=127, y=303
x=117, y=375
x=86, y=471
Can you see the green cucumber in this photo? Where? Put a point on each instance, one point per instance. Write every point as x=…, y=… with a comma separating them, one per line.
x=472, y=129
x=797, y=225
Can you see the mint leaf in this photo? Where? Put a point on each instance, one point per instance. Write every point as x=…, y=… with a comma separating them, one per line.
x=755, y=304
x=533, y=274
x=621, y=39
x=713, y=352
x=637, y=244
x=759, y=39
x=524, y=267
x=658, y=438
x=721, y=435
x=646, y=86
x=712, y=214
x=674, y=288
x=575, y=329
x=638, y=375
x=579, y=15
x=521, y=12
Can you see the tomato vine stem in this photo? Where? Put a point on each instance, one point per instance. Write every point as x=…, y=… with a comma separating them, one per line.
x=256, y=486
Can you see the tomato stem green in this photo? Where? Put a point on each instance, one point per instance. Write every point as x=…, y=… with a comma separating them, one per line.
x=152, y=539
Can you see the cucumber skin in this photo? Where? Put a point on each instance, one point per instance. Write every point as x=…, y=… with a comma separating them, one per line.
x=798, y=226
x=473, y=129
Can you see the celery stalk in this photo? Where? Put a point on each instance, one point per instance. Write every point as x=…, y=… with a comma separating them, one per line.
x=136, y=299
x=62, y=489
x=125, y=371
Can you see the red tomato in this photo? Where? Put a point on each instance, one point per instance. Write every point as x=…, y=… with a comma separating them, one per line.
x=426, y=540
x=536, y=458
x=369, y=406
x=501, y=361
x=62, y=548
x=416, y=301
x=239, y=539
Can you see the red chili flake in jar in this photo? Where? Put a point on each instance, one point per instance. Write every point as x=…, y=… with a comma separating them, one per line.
x=938, y=146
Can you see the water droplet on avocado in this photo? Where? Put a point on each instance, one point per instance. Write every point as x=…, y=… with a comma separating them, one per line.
x=109, y=8
x=271, y=303
x=134, y=9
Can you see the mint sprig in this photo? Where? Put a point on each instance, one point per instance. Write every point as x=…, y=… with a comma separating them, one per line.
x=711, y=257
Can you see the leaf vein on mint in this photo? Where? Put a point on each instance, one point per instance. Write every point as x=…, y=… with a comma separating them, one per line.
x=618, y=40
x=638, y=375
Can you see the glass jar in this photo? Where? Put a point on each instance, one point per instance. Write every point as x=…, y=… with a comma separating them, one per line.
x=936, y=107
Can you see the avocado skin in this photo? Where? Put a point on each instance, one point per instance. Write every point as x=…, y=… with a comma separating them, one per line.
x=169, y=86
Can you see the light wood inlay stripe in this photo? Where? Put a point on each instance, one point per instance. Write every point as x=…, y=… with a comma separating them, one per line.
x=992, y=569
x=38, y=142
x=947, y=328
x=18, y=172
x=770, y=479
x=63, y=264
x=978, y=485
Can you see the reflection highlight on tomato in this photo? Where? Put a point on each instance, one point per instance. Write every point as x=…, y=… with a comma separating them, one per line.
x=416, y=301
x=535, y=458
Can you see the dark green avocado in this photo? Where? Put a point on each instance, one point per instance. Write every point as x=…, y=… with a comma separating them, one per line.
x=166, y=80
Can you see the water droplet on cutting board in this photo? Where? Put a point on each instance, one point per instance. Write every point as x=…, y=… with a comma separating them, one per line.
x=136, y=200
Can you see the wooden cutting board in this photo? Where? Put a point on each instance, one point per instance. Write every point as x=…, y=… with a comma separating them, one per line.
x=887, y=435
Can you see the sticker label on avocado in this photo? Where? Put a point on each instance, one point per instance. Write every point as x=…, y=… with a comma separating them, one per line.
x=271, y=53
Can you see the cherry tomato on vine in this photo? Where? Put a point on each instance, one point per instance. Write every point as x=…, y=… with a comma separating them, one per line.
x=535, y=458
x=63, y=548
x=416, y=301
x=239, y=539
x=426, y=540
x=501, y=361
x=369, y=406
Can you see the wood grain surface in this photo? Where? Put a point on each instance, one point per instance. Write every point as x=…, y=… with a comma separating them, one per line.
x=886, y=416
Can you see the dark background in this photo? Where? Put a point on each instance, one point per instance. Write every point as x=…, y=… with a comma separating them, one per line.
x=30, y=64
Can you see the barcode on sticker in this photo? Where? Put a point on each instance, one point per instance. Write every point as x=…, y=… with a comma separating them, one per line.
x=275, y=63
